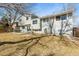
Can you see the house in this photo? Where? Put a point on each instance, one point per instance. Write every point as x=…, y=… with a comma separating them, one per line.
x=61, y=23
x=27, y=23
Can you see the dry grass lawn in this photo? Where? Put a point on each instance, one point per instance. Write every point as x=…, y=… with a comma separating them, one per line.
x=47, y=45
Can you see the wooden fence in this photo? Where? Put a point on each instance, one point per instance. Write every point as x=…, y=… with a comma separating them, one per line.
x=76, y=32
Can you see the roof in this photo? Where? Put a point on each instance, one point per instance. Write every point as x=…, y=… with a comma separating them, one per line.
x=57, y=14
x=34, y=16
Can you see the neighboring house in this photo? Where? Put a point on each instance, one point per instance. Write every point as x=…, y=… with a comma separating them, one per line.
x=27, y=23
x=54, y=24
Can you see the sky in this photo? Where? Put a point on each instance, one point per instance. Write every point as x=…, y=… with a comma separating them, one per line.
x=43, y=9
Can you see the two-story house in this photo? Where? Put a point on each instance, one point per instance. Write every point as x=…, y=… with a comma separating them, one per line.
x=28, y=23
x=61, y=23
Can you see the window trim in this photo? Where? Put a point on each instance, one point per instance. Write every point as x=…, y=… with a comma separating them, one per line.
x=34, y=22
x=63, y=17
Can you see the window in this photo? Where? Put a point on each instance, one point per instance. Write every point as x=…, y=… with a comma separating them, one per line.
x=57, y=18
x=63, y=17
x=26, y=18
x=70, y=15
x=28, y=28
x=23, y=27
x=35, y=22
x=45, y=20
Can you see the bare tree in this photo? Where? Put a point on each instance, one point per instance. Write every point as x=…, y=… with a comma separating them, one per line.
x=68, y=7
x=14, y=11
x=51, y=26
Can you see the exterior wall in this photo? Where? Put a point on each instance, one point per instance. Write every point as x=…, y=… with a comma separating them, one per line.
x=23, y=30
x=58, y=26
x=23, y=21
x=37, y=25
x=67, y=30
x=45, y=27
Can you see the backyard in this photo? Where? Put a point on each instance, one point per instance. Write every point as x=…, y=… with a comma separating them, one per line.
x=12, y=44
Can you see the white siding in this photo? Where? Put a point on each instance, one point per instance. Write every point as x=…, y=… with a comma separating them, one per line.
x=23, y=30
x=37, y=25
x=24, y=21
x=57, y=26
x=45, y=25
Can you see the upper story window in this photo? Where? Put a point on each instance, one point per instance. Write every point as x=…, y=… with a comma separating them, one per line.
x=45, y=20
x=34, y=21
x=57, y=18
x=27, y=18
x=63, y=17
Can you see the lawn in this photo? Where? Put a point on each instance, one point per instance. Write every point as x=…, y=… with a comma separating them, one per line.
x=36, y=44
